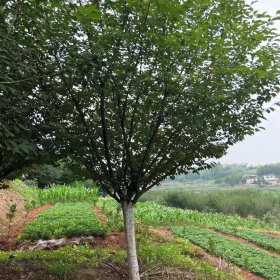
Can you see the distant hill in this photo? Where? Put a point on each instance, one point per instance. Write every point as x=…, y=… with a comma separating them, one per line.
x=226, y=175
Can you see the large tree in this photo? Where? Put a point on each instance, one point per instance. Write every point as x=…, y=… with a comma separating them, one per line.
x=142, y=90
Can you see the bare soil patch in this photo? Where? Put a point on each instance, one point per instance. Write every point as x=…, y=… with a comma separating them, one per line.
x=164, y=233
x=115, y=239
x=22, y=217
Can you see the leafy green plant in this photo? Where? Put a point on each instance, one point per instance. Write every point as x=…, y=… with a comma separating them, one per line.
x=10, y=215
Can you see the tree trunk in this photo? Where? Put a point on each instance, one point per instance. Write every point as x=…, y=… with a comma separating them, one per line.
x=129, y=227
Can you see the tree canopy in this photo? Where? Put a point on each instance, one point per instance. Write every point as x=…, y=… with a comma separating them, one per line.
x=24, y=137
x=17, y=137
x=150, y=89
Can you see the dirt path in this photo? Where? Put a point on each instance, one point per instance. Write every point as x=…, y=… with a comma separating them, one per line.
x=115, y=239
x=7, y=199
x=100, y=215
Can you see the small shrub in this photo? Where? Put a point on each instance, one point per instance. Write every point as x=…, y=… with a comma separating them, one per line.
x=11, y=214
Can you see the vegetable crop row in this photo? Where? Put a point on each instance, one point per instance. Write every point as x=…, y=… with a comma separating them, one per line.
x=155, y=214
x=64, y=220
x=267, y=242
x=254, y=260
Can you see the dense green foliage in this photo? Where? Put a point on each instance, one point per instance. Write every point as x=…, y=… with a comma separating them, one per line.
x=63, y=171
x=24, y=134
x=64, y=220
x=256, y=202
x=137, y=91
x=255, y=260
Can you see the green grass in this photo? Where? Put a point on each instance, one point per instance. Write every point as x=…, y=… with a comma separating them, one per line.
x=254, y=260
x=64, y=220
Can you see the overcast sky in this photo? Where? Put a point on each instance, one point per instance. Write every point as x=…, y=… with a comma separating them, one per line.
x=264, y=146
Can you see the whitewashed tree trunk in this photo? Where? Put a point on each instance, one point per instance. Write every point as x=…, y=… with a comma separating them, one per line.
x=129, y=227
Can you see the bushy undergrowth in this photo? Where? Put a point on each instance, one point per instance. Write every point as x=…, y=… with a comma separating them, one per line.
x=64, y=220
x=258, y=203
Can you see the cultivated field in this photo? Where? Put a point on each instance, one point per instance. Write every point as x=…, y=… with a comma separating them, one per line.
x=72, y=233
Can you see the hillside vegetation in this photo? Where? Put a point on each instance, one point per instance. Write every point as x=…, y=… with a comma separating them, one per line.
x=259, y=203
x=226, y=175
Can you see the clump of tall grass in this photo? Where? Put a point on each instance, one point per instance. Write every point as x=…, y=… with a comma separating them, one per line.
x=64, y=193
x=75, y=192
